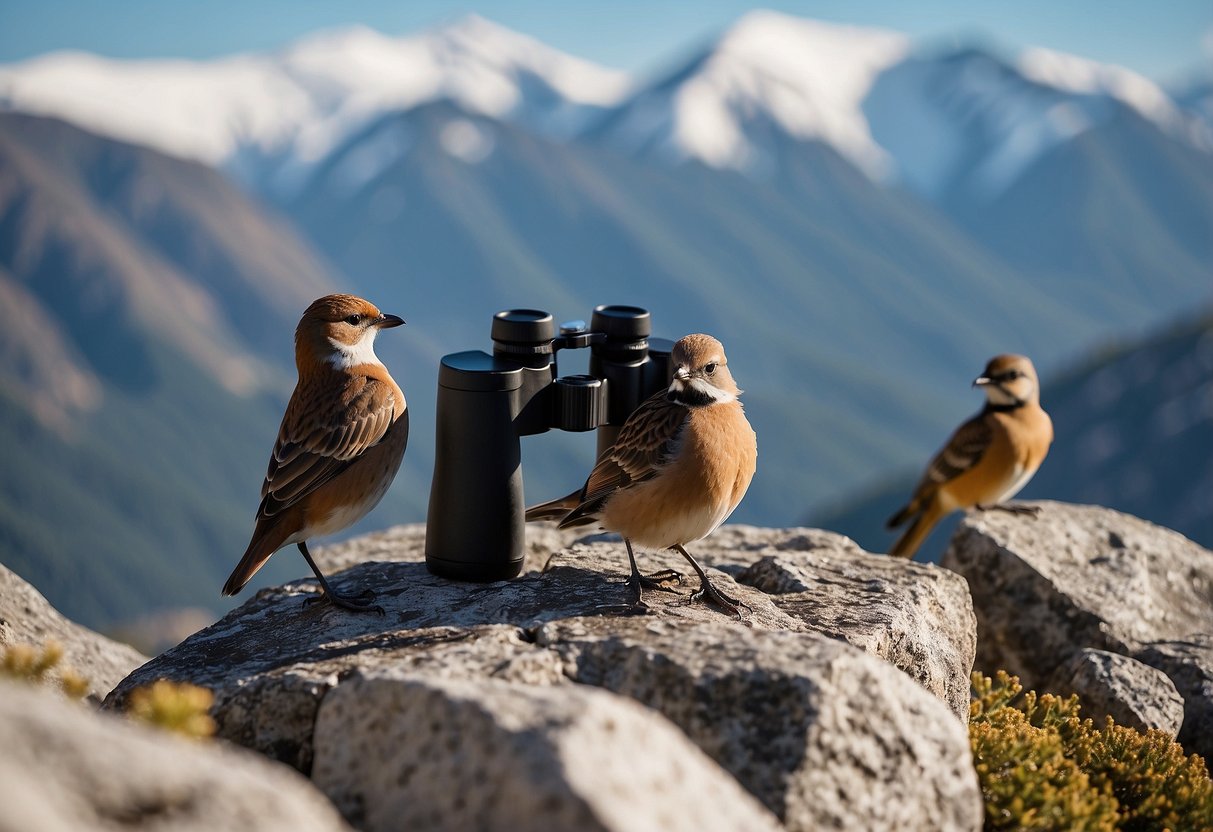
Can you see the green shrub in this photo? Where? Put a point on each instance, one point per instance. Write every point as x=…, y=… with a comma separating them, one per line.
x=27, y=664
x=1041, y=766
x=178, y=707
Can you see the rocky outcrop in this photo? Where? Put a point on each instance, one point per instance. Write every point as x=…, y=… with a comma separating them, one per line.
x=1189, y=663
x=820, y=732
x=1132, y=693
x=28, y=618
x=410, y=751
x=1084, y=577
x=65, y=768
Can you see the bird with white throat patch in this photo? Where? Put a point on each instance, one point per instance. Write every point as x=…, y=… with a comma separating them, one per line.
x=340, y=444
x=679, y=467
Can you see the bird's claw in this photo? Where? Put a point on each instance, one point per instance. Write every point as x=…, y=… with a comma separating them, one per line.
x=1012, y=508
x=712, y=596
x=661, y=581
x=345, y=602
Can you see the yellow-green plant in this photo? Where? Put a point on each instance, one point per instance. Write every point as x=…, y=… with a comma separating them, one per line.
x=42, y=667
x=174, y=706
x=1042, y=766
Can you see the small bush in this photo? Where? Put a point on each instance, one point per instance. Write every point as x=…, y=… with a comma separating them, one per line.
x=178, y=707
x=27, y=664
x=1042, y=766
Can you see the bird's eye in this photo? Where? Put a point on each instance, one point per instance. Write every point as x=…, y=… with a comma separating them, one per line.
x=354, y=320
x=709, y=368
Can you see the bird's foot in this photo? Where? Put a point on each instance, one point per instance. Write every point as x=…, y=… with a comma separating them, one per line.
x=358, y=603
x=710, y=595
x=1011, y=508
x=663, y=581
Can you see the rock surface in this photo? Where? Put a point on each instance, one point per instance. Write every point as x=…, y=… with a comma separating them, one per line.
x=65, y=768
x=1076, y=577
x=820, y=732
x=26, y=617
x=891, y=752
x=1132, y=693
x=407, y=751
x=1189, y=663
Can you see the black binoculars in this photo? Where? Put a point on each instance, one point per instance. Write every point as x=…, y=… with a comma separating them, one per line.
x=476, y=529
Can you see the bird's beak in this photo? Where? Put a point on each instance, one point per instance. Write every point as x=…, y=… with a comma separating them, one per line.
x=682, y=374
x=389, y=321
x=981, y=381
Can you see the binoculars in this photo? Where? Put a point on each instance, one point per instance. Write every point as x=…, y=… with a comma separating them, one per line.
x=475, y=527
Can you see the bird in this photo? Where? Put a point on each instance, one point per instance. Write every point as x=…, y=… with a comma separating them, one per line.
x=340, y=444
x=988, y=459
x=680, y=465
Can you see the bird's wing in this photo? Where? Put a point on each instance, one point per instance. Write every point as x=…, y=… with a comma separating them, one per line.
x=964, y=450
x=322, y=433
x=646, y=442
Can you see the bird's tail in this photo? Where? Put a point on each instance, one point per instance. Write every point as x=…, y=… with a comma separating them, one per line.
x=556, y=509
x=265, y=542
x=912, y=538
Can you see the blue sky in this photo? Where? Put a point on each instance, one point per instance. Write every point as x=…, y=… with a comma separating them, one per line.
x=1163, y=40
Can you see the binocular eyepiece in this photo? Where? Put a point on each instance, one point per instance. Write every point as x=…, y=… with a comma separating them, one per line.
x=475, y=528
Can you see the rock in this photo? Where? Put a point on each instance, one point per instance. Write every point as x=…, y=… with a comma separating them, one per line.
x=26, y=617
x=870, y=741
x=1074, y=577
x=917, y=617
x=1189, y=664
x=66, y=768
x=1132, y=693
x=825, y=735
x=401, y=751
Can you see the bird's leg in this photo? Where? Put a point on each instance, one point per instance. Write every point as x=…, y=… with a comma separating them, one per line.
x=707, y=591
x=639, y=583
x=330, y=596
x=658, y=580
x=1010, y=508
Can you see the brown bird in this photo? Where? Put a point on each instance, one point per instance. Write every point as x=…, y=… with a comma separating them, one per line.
x=680, y=465
x=988, y=459
x=341, y=440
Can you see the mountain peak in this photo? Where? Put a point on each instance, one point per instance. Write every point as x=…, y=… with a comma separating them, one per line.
x=807, y=77
x=1082, y=76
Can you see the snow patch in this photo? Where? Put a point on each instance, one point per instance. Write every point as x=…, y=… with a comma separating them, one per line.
x=467, y=140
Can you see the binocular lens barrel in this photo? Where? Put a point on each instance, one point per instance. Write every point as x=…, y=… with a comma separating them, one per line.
x=519, y=333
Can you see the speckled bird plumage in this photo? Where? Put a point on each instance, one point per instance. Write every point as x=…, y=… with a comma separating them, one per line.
x=680, y=465
x=989, y=458
x=341, y=440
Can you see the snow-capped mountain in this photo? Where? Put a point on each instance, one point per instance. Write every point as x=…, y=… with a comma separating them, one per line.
x=805, y=77
x=269, y=118
x=902, y=114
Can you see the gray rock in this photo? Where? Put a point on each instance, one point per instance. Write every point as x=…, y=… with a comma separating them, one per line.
x=274, y=665
x=823, y=734
x=26, y=617
x=917, y=617
x=400, y=751
x=66, y=768
x=1189, y=664
x=1132, y=693
x=1073, y=577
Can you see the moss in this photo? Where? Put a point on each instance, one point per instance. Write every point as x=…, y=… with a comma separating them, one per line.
x=178, y=707
x=1041, y=766
x=26, y=663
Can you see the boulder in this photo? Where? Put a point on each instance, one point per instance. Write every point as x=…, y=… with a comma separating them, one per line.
x=65, y=768
x=823, y=734
x=917, y=617
x=1132, y=693
x=396, y=750
x=1083, y=577
x=1189, y=664
x=27, y=618
x=856, y=727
